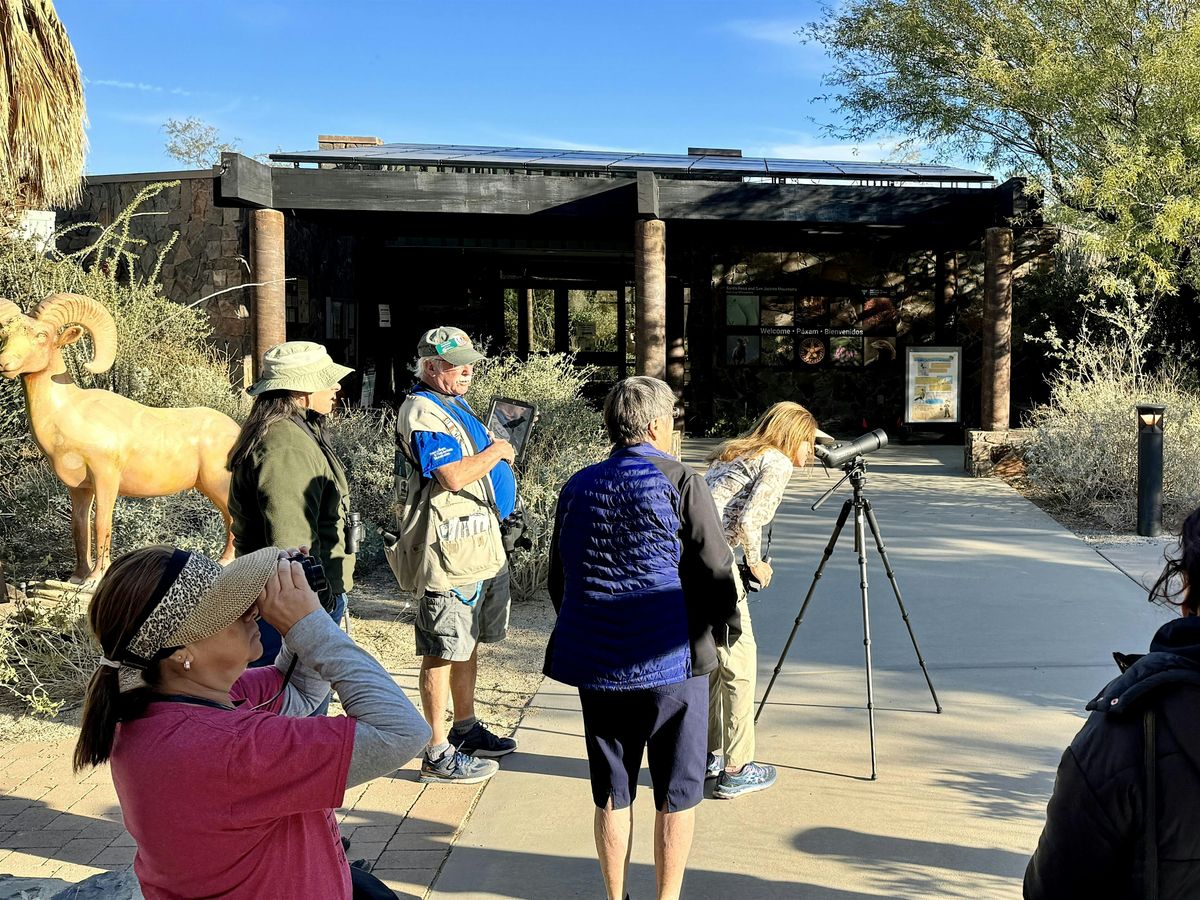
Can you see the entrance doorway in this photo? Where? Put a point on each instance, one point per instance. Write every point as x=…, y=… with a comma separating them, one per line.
x=592, y=320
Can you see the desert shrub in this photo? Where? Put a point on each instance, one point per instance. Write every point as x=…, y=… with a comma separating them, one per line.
x=163, y=359
x=49, y=653
x=568, y=436
x=1082, y=457
x=364, y=440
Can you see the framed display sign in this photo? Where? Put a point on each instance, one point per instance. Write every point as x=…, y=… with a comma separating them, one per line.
x=933, y=385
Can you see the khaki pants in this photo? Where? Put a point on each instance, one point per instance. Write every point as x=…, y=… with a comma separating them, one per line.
x=731, y=697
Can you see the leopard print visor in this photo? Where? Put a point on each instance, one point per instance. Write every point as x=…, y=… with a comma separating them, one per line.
x=204, y=599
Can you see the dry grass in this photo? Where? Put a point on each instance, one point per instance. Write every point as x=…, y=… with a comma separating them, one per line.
x=41, y=104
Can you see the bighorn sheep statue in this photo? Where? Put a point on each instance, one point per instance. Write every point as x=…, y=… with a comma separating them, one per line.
x=101, y=444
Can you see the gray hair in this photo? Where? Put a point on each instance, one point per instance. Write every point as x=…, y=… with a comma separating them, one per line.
x=417, y=367
x=632, y=405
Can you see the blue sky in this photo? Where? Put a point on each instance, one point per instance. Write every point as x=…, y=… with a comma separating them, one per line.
x=656, y=75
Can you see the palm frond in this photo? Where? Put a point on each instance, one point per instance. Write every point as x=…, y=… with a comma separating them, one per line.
x=41, y=106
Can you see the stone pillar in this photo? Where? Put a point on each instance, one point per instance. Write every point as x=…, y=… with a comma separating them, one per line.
x=997, y=329
x=266, y=264
x=650, y=277
x=524, y=321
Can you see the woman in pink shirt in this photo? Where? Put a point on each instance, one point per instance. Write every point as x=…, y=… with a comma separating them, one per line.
x=224, y=783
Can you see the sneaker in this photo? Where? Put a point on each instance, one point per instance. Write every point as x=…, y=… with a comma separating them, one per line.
x=457, y=768
x=753, y=777
x=480, y=742
x=716, y=765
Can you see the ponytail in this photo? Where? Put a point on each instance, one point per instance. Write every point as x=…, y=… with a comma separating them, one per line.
x=113, y=615
x=99, y=723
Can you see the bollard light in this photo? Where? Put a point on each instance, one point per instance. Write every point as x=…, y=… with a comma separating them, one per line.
x=1150, y=468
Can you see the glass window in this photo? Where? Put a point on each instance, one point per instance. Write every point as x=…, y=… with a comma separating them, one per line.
x=592, y=316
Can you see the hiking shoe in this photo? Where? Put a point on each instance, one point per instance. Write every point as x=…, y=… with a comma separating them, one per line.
x=753, y=777
x=716, y=765
x=457, y=768
x=480, y=742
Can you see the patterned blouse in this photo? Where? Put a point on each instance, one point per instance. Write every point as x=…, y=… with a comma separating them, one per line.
x=748, y=490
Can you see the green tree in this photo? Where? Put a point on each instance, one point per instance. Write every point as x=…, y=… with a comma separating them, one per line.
x=1098, y=102
x=196, y=143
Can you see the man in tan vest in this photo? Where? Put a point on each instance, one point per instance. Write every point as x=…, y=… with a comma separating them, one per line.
x=464, y=488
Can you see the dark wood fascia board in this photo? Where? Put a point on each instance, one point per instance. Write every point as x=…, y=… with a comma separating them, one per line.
x=447, y=192
x=149, y=177
x=242, y=181
x=824, y=204
x=647, y=195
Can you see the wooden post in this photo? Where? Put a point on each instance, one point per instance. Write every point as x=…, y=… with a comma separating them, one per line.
x=997, y=328
x=267, y=265
x=524, y=321
x=650, y=277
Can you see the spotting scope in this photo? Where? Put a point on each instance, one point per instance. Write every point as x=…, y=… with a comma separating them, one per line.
x=840, y=454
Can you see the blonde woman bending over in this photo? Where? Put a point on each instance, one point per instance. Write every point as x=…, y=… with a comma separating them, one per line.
x=747, y=476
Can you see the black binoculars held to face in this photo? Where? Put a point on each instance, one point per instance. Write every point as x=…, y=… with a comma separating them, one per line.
x=314, y=574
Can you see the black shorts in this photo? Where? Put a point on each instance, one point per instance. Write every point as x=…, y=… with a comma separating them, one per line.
x=670, y=722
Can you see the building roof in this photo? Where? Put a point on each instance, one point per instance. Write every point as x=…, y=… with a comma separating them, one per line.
x=457, y=157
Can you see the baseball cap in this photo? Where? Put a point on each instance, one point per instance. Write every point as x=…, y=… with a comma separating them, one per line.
x=451, y=344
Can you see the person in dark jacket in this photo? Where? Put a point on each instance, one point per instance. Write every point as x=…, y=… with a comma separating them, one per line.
x=288, y=487
x=642, y=578
x=1122, y=821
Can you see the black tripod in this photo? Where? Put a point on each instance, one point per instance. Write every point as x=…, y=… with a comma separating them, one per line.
x=856, y=472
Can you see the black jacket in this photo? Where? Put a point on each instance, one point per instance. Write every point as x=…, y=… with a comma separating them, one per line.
x=1099, y=826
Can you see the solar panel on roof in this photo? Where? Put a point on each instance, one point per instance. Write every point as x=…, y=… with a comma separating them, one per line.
x=550, y=159
x=799, y=167
x=752, y=165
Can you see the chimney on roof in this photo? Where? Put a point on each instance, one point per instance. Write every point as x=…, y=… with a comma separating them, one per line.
x=342, y=141
x=713, y=151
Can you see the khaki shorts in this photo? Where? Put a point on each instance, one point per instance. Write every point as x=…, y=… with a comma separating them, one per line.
x=449, y=629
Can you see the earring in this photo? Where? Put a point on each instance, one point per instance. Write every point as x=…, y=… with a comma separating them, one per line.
x=187, y=664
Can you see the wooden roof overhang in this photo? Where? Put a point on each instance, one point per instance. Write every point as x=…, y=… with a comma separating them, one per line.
x=241, y=181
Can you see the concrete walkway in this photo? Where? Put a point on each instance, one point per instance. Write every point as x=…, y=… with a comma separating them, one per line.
x=1016, y=618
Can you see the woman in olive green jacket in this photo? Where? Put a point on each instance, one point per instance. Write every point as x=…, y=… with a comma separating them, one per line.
x=288, y=487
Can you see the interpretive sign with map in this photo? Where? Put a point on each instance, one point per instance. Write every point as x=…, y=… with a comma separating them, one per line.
x=933, y=384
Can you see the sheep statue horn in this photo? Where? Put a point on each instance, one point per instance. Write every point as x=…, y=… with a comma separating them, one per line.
x=60, y=310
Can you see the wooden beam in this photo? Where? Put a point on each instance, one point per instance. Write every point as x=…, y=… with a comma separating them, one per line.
x=245, y=182
x=827, y=204
x=446, y=192
x=647, y=195
x=242, y=181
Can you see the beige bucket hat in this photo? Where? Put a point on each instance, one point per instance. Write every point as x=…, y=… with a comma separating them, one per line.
x=301, y=366
x=200, y=598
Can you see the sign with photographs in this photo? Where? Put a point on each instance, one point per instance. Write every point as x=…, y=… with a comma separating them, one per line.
x=933, y=385
x=786, y=327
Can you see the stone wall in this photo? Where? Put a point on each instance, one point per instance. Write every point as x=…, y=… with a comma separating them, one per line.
x=210, y=255
x=995, y=452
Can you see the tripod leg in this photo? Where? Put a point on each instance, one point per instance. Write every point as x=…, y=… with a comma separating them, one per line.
x=887, y=565
x=860, y=540
x=837, y=530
